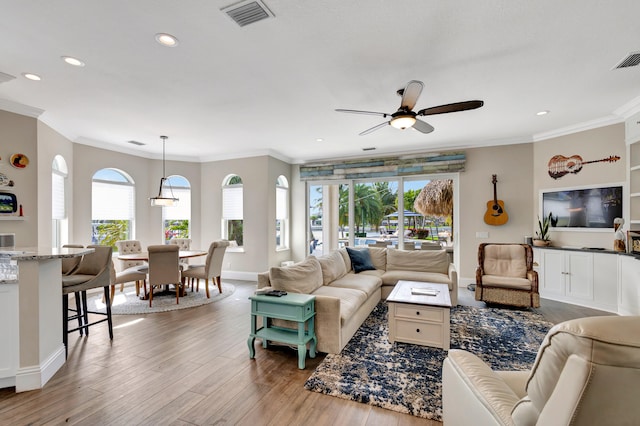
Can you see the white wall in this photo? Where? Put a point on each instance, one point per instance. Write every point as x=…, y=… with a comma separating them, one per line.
x=18, y=134
x=590, y=145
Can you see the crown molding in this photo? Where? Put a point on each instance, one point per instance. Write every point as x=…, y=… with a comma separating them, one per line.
x=19, y=108
x=580, y=127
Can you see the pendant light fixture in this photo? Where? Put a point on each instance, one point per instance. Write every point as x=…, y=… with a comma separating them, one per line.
x=166, y=199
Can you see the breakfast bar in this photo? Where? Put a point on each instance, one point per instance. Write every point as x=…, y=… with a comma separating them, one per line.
x=31, y=302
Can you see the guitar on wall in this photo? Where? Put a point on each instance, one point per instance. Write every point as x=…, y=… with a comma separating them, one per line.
x=559, y=165
x=496, y=214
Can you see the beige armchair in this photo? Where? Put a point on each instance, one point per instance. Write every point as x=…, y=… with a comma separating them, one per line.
x=183, y=243
x=211, y=269
x=164, y=269
x=130, y=247
x=505, y=275
x=586, y=372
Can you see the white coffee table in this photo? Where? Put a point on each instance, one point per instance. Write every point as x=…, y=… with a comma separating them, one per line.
x=418, y=318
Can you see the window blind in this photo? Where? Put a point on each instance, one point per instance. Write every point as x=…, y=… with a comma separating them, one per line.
x=182, y=210
x=281, y=203
x=112, y=201
x=232, y=206
x=58, y=210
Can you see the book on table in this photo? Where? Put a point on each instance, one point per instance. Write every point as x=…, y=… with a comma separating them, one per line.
x=424, y=291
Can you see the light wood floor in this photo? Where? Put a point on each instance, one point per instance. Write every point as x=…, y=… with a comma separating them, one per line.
x=192, y=367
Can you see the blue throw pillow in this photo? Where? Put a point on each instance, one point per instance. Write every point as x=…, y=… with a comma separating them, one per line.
x=360, y=260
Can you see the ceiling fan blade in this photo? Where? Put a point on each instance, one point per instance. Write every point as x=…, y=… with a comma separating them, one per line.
x=411, y=94
x=374, y=128
x=355, y=111
x=458, y=106
x=423, y=127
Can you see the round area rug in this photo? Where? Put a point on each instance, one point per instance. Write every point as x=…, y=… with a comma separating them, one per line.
x=127, y=303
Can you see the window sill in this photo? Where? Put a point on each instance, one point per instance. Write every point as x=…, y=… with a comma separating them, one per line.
x=282, y=249
x=235, y=250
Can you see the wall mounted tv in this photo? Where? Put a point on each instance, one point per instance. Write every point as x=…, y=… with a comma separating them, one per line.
x=583, y=208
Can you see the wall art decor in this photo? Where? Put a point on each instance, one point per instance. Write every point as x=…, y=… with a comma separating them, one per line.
x=5, y=181
x=559, y=165
x=19, y=161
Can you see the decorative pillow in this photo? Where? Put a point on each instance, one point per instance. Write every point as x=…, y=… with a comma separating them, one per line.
x=333, y=267
x=360, y=260
x=303, y=277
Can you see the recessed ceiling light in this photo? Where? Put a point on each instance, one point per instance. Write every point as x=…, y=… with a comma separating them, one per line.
x=73, y=61
x=545, y=112
x=166, y=40
x=31, y=76
x=319, y=140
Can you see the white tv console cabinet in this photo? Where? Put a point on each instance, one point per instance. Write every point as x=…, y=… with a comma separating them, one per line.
x=599, y=279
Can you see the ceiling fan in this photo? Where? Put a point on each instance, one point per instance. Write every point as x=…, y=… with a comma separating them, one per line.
x=405, y=117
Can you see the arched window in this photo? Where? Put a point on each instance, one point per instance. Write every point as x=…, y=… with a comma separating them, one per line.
x=60, y=223
x=232, y=209
x=112, y=207
x=282, y=213
x=176, y=219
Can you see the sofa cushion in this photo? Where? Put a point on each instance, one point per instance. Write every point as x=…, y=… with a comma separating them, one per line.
x=418, y=260
x=364, y=282
x=350, y=299
x=333, y=267
x=506, y=260
x=378, y=257
x=303, y=277
x=392, y=277
x=360, y=260
x=506, y=282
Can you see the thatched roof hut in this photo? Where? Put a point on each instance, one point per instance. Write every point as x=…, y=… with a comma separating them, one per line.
x=436, y=198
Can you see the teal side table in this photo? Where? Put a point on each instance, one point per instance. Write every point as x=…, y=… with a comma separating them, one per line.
x=293, y=307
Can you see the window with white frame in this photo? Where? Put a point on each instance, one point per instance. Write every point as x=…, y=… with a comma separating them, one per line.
x=60, y=223
x=282, y=213
x=233, y=209
x=112, y=207
x=176, y=219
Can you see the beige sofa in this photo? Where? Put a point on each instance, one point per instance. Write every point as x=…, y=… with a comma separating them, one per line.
x=345, y=298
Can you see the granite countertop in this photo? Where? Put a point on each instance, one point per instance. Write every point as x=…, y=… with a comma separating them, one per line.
x=10, y=272
x=590, y=250
x=43, y=253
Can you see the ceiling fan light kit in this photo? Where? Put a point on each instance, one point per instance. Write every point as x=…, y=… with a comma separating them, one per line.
x=405, y=117
x=164, y=200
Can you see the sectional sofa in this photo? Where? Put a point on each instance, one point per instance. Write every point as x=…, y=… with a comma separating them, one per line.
x=349, y=283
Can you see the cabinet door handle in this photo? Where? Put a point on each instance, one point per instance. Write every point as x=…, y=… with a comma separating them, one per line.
x=417, y=312
x=417, y=330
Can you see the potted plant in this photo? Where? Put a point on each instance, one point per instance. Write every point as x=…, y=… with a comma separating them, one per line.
x=542, y=234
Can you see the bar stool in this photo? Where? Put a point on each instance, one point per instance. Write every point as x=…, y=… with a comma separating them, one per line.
x=68, y=266
x=94, y=271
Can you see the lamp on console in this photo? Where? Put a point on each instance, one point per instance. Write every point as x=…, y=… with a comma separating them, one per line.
x=164, y=200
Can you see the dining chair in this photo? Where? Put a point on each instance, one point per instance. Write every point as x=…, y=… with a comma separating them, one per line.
x=164, y=269
x=184, y=244
x=129, y=270
x=430, y=245
x=94, y=271
x=211, y=269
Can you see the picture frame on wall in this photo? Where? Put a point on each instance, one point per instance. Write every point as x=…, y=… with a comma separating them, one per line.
x=633, y=238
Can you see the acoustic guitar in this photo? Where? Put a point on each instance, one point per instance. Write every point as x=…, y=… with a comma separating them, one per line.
x=495, y=215
x=559, y=165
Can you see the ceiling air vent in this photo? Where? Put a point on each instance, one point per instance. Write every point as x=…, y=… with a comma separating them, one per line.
x=247, y=12
x=631, y=60
x=136, y=143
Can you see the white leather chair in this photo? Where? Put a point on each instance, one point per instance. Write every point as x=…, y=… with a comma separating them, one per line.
x=586, y=372
x=211, y=269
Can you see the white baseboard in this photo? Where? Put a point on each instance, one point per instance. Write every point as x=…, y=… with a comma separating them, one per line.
x=36, y=376
x=240, y=275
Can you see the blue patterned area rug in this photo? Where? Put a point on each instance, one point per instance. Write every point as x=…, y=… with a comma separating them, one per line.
x=408, y=378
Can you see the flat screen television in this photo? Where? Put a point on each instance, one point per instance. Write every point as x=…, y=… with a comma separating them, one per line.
x=583, y=208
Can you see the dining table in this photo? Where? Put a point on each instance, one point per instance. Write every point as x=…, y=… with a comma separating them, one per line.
x=144, y=256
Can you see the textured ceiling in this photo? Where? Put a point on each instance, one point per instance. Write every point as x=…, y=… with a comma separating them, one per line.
x=272, y=87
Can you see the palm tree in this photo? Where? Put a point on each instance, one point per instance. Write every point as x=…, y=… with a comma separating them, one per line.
x=366, y=203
